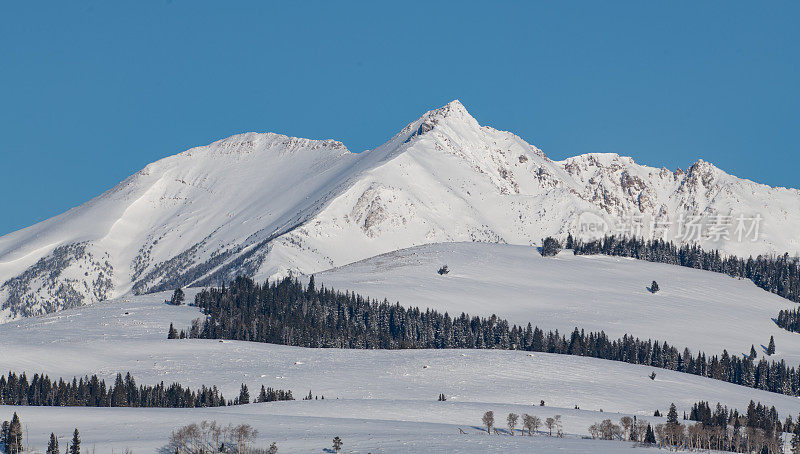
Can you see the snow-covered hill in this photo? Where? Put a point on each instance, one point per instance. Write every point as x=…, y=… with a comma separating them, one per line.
x=376, y=400
x=266, y=204
x=701, y=310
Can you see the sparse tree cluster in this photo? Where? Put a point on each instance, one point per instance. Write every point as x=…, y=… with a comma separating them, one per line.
x=757, y=430
x=12, y=442
x=285, y=312
x=209, y=437
x=789, y=319
x=11, y=435
x=530, y=424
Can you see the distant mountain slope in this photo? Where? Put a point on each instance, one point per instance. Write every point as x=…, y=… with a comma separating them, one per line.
x=266, y=204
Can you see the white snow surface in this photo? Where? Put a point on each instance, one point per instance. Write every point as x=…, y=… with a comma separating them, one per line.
x=378, y=401
x=267, y=204
x=698, y=309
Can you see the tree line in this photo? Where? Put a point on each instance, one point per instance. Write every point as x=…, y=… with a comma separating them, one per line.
x=93, y=392
x=779, y=274
x=288, y=313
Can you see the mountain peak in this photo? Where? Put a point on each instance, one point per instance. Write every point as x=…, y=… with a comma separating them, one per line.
x=453, y=110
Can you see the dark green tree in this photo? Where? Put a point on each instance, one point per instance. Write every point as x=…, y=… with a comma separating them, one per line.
x=654, y=287
x=173, y=333
x=550, y=246
x=672, y=416
x=52, y=446
x=14, y=436
x=337, y=444
x=177, y=297
x=650, y=437
x=771, y=346
x=244, y=395
x=75, y=447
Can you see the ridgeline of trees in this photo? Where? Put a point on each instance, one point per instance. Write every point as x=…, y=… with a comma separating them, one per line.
x=287, y=313
x=93, y=392
x=779, y=275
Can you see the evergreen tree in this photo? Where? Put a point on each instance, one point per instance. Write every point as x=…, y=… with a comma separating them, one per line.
x=753, y=353
x=14, y=436
x=52, y=446
x=771, y=346
x=550, y=246
x=244, y=395
x=177, y=297
x=4, y=429
x=672, y=416
x=650, y=437
x=654, y=287
x=173, y=333
x=337, y=444
x=796, y=437
x=75, y=447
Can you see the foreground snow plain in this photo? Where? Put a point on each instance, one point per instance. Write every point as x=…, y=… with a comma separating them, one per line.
x=377, y=401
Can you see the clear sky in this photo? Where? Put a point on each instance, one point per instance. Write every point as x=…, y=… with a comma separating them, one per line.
x=91, y=92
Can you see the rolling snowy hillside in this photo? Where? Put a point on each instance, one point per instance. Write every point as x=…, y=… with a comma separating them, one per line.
x=698, y=309
x=266, y=204
x=376, y=400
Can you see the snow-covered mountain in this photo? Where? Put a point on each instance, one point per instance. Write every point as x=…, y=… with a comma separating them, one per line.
x=266, y=204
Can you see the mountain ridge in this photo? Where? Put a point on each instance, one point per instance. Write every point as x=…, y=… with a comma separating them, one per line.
x=266, y=204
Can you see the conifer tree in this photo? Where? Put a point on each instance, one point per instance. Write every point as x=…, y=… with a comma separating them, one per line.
x=177, y=297
x=672, y=415
x=771, y=346
x=337, y=444
x=650, y=437
x=75, y=448
x=4, y=433
x=52, y=446
x=14, y=436
x=654, y=287
x=796, y=437
x=173, y=333
x=244, y=395
x=550, y=246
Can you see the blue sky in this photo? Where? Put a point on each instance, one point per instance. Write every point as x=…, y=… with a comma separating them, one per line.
x=91, y=92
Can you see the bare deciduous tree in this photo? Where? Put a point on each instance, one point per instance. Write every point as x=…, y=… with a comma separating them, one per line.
x=550, y=423
x=531, y=423
x=488, y=421
x=512, y=422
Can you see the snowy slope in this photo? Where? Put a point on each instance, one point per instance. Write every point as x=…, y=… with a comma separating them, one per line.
x=698, y=309
x=377, y=401
x=266, y=204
